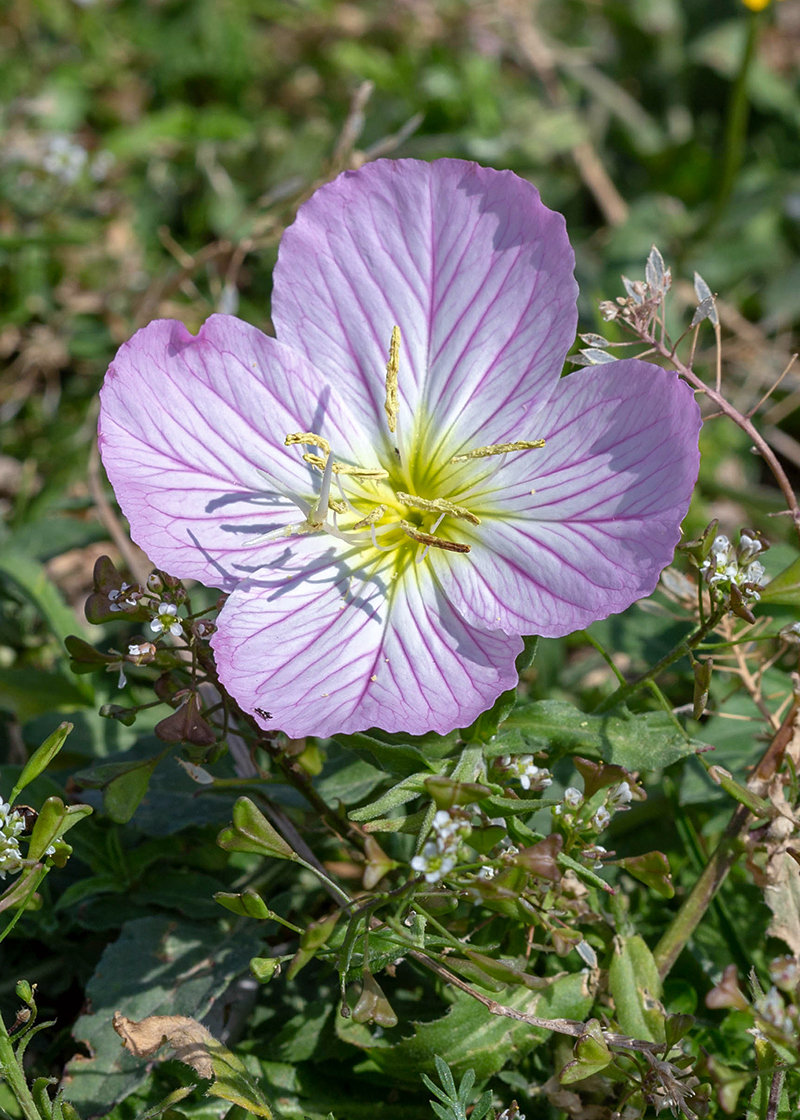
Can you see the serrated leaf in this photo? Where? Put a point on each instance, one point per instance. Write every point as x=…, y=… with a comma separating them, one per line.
x=471, y=1036
x=648, y=741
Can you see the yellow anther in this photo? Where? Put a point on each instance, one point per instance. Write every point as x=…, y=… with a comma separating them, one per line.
x=338, y=506
x=437, y=505
x=430, y=540
x=309, y=438
x=345, y=468
x=372, y=518
x=498, y=449
x=392, y=370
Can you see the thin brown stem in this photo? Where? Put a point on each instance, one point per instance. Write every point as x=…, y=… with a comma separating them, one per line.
x=764, y=449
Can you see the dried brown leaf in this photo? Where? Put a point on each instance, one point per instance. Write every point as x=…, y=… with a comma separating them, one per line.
x=188, y=1038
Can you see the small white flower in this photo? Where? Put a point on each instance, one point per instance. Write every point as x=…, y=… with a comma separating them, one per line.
x=573, y=797
x=601, y=819
x=486, y=872
x=619, y=796
x=64, y=158
x=773, y=1010
x=118, y=603
x=165, y=621
x=525, y=770
x=432, y=863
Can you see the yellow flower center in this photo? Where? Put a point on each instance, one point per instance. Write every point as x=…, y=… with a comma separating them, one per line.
x=411, y=500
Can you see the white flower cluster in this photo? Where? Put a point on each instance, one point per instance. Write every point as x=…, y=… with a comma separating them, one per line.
x=726, y=565
x=438, y=857
x=527, y=773
x=11, y=825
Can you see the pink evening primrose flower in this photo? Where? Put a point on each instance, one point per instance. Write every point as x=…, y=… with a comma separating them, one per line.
x=400, y=484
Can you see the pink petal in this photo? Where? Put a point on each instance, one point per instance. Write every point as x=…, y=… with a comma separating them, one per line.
x=188, y=424
x=475, y=271
x=321, y=650
x=611, y=488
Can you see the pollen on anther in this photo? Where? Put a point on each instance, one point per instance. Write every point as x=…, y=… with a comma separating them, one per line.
x=392, y=371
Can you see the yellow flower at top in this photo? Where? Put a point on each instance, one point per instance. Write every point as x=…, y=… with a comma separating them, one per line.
x=757, y=5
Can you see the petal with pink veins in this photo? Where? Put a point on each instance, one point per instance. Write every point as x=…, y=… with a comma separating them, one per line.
x=467, y=262
x=187, y=426
x=582, y=528
x=324, y=650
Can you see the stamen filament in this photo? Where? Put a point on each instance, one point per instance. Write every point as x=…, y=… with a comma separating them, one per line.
x=498, y=449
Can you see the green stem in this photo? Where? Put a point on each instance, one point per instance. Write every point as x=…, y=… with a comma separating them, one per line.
x=695, y=905
x=12, y=1071
x=681, y=650
x=36, y=880
x=605, y=656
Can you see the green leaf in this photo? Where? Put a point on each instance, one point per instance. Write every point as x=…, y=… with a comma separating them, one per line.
x=252, y=832
x=470, y=1035
x=41, y=759
x=402, y=759
x=636, y=987
x=124, y=784
x=233, y=1083
x=652, y=869
x=785, y=587
x=649, y=741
